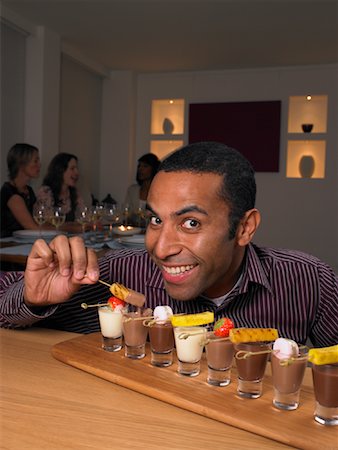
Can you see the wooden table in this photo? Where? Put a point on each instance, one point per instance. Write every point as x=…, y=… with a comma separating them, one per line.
x=46, y=404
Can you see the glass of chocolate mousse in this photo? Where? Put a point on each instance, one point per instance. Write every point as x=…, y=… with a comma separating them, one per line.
x=161, y=337
x=287, y=377
x=219, y=353
x=251, y=359
x=135, y=333
x=325, y=384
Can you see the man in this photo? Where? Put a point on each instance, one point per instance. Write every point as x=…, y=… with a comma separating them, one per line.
x=200, y=256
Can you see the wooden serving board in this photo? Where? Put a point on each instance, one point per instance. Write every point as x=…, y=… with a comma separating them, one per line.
x=295, y=428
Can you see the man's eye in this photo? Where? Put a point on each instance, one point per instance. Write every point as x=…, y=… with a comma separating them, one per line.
x=155, y=220
x=191, y=224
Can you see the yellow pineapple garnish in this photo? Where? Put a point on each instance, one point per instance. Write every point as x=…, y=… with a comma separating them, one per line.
x=325, y=355
x=191, y=320
x=119, y=291
x=253, y=335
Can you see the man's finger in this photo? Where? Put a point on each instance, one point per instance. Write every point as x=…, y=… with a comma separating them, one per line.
x=79, y=257
x=41, y=250
x=92, y=266
x=60, y=246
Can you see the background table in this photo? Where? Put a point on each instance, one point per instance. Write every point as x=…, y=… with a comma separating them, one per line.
x=46, y=404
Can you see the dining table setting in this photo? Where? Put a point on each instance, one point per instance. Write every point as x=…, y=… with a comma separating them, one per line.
x=15, y=249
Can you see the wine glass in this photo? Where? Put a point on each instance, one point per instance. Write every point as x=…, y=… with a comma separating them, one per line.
x=39, y=215
x=83, y=217
x=126, y=214
x=57, y=217
x=141, y=217
x=112, y=216
x=96, y=214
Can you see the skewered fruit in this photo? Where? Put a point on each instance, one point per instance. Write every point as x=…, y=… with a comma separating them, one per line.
x=119, y=291
x=222, y=327
x=116, y=303
x=192, y=320
x=253, y=335
x=128, y=295
x=324, y=355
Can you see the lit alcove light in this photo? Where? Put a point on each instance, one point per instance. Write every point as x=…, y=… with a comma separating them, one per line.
x=163, y=148
x=167, y=116
x=306, y=159
x=307, y=114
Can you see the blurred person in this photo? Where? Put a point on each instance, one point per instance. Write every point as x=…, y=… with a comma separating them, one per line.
x=59, y=185
x=137, y=193
x=17, y=197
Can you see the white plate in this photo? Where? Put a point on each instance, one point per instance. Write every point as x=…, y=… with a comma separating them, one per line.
x=35, y=234
x=128, y=232
x=133, y=241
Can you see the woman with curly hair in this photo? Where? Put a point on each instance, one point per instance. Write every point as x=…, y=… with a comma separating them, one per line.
x=59, y=185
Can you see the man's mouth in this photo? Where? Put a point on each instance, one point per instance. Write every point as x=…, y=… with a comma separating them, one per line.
x=177, y=270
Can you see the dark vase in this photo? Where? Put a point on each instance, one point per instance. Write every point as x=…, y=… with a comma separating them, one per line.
x=306, y=166
x=307, y=127
x=167, y=126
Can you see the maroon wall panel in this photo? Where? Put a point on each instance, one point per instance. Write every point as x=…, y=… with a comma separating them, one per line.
x=253, y=128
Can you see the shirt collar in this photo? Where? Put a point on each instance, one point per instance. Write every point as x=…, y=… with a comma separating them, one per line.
x=253, y=270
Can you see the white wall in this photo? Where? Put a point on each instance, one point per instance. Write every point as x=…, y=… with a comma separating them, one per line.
x=297, y=213
x=117, y=135
x=80, y=122
x=42, y=94
x=13, y=60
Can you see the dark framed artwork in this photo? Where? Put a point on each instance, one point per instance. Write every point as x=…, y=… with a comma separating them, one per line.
x=253, y=128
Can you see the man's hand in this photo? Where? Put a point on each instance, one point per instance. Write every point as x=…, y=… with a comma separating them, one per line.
x=56, y=271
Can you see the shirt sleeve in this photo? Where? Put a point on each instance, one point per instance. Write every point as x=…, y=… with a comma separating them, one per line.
x=324, y=332
x=14, y=313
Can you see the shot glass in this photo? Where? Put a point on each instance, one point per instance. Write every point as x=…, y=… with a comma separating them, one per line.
x=135, y=333
x=219, y=353
x=161, y=339
x=251, y=359
x=287, y=377
x=189, y=343
x=325, y=384
x=111, y=328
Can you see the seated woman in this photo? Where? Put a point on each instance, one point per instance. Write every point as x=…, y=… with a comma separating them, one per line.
x=17, y=197
x=137, y=194
x=59, y=186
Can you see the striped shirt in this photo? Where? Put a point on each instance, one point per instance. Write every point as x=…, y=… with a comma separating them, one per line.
x=288, y=290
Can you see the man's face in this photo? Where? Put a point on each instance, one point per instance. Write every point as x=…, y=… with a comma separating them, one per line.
x=187, y=236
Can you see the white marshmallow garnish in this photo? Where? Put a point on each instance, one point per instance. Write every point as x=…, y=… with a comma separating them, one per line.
x=162, y=313
x=285, y=348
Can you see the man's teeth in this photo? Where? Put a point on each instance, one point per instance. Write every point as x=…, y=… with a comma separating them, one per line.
x=177, y=270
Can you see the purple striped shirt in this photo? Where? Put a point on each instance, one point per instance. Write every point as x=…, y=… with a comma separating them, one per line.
x=288, y=290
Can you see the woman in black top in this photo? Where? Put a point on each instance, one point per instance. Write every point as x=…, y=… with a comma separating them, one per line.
x=17, y=197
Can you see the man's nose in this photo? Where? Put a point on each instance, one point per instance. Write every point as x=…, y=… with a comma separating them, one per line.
x=167, y=242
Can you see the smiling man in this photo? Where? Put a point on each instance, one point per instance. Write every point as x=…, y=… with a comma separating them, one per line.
x=200, y=256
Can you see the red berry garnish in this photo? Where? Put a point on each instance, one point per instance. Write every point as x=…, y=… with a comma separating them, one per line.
x=113, y=302
x=222, y=327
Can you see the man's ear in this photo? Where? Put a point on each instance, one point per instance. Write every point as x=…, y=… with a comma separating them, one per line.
x=248, y=226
